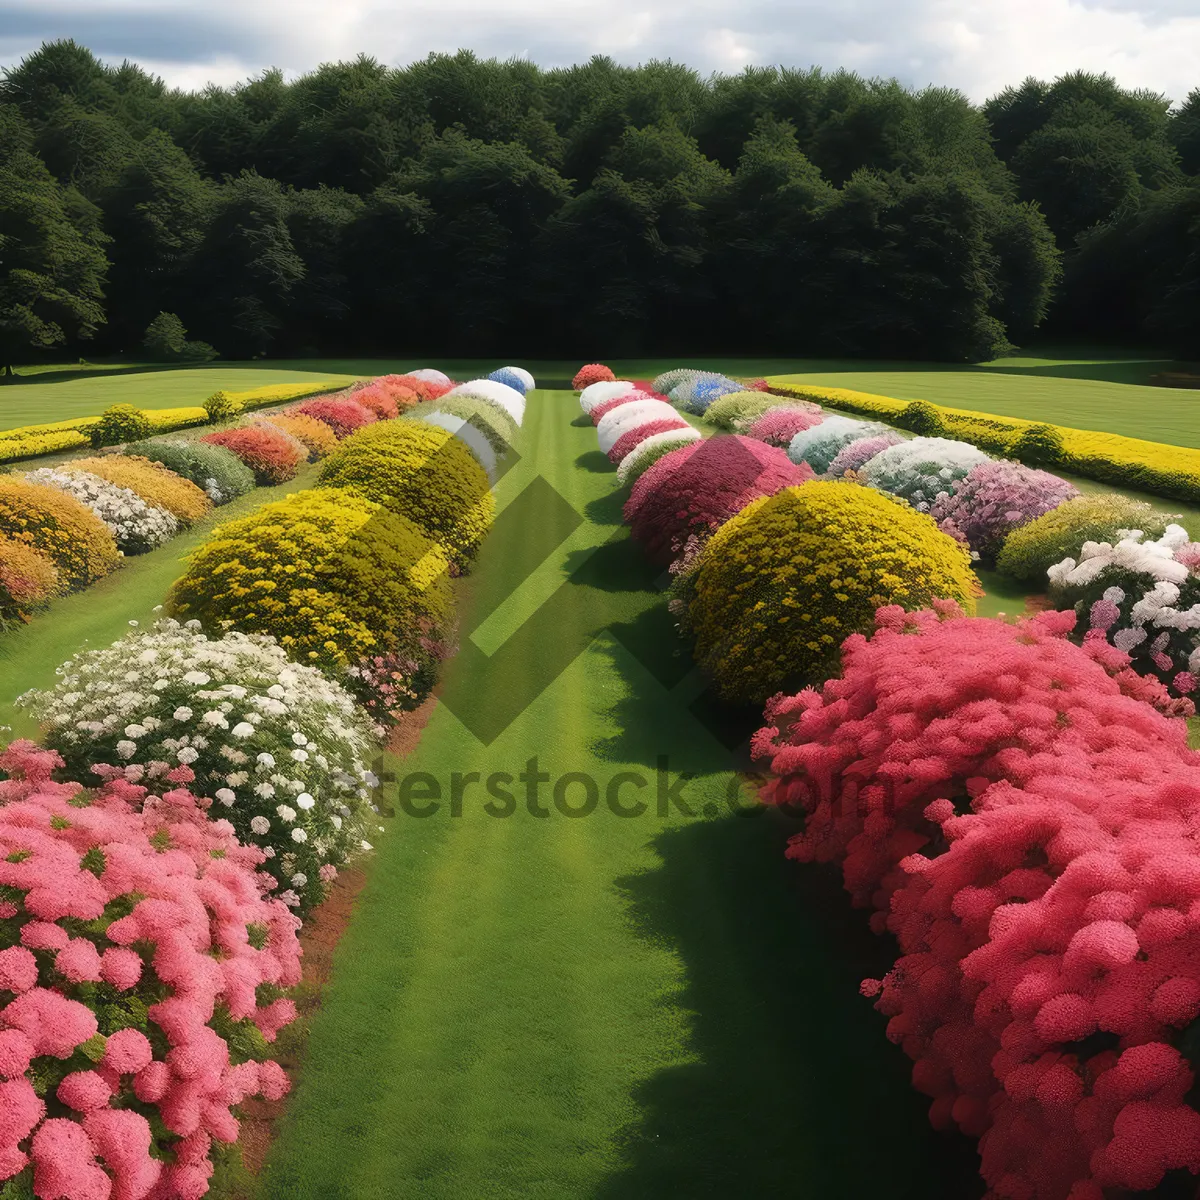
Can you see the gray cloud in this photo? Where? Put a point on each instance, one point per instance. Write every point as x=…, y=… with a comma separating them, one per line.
x=978, y=46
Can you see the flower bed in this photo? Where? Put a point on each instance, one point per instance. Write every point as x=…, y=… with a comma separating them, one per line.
x=343, y=415
x=1026, y=839
x=737, y=411
x=780, y=424
x=332, y=576
x=154, y=483
x=820, y=444
x=140, y=962
x=783, y=583
x=28, y=581
x=268, y=452
x=276, y=747
x=646, y=453
x=995, y=498
x=622, y=419
x=511, y=400
x=218, y=471
x=629, y=441
x=75, y=540
x=317, y=438
x=922, y=469
x=851, y=458
x=424, y=473
x=694, y=489
x=133, y=524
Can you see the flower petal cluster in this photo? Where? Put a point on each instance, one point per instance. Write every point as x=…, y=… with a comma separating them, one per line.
x=1024, y=829
x=922, y=469
x=135, y=526
x=272, y=455
x=697, y=488
x=819, y=444
x=995, y=498
x=343, y=414
x=589, y=374
x=782, y=584
x=169, y=698
x=141, y=975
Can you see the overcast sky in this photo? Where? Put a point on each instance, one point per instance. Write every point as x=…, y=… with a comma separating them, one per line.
x=978, y=46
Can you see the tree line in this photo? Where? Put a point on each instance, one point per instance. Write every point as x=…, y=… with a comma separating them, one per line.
x=479, y=207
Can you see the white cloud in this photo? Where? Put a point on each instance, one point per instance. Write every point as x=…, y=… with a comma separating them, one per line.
x=978, y=46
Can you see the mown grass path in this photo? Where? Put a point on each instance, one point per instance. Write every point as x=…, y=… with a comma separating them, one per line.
x=594, y=1006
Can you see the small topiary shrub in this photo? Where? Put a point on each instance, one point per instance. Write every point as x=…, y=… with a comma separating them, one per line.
x=737, y=411
x=75, y=540
x=135, y=526
x=1031, y=550
x=423, y=472
x=331, y=575
x=781, y=585
x=342, y=415
x=853, y=456
x=268, y=452
x=276, y=746
x=695, y=489
x=154, y=483
x=223, y=406
x=1041, y=445
x=994, y=499
x=922, y=418
x=511, y=378
x=28, y=581
x=490, y=419
x=592, y=373
x=219, y=472
x=922, y=469
x=780, y=424
x=119, y=423
x=632, y=438
x=142, y=971
x=819, y=444
x=639, y=460
x=315, y=436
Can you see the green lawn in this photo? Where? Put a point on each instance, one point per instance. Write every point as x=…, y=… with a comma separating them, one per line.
x=97, y=616
x=598, y=1007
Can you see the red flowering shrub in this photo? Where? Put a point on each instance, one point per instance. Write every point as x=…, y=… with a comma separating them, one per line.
x=137, y=955
x=777, y=426
x=341, y=414
x=757, y=385
x=1025, y=830
x=592, y=373
x=606, y=406
x=379, y=400
x=422, y=389
x=698, y=487
x=635, y=437
x=268, y=452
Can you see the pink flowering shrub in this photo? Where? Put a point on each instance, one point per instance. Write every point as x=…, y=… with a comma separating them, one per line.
x=697, y=488
x=777, y=426
x=852, y=456
x=141, y=976
x=994, y=499
x=342, y=415
x=1023, y=827
x=589, y=374
x=635, y=437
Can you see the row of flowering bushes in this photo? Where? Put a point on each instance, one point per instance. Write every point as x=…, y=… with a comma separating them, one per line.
x=1156, y=467
x=32, y=441
x=1017, y=808
x=148, y=919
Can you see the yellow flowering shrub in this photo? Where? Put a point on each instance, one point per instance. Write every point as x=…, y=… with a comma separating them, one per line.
x=317, y=438
x=781, y=585
x=166, y=420
x=422, y=471
x=71, y=536
x=330, y=574
x=153, y=482
x=1109, y=457
x=28, y=580
x=30, y=445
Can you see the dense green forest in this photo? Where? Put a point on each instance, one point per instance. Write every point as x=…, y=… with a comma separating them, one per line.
x=478, y=205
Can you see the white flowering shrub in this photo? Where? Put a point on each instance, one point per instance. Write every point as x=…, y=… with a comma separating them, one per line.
x=922, y=469
x=646, y=453
x=468, y=434
x=279, y=748
x=1143, y=596
x=606, y=389
x=135, y=525
x=629, y=416
x=512, y=401
x=819, y=444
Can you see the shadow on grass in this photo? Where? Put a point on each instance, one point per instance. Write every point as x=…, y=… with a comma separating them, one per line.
x=795, y=1090
x=583, y=421
x=595, y=461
